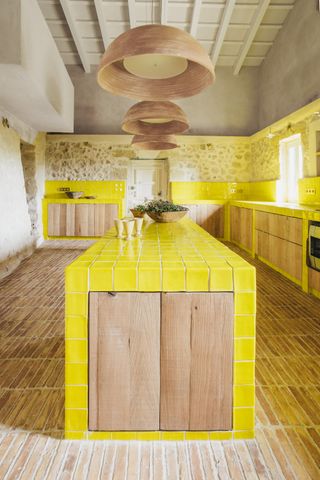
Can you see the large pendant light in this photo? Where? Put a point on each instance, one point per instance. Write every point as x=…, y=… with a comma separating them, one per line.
x=154, y=142
x=155, y=62
x=155, y=118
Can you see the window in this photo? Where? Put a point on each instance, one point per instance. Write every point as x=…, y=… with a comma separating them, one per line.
x=290, y=169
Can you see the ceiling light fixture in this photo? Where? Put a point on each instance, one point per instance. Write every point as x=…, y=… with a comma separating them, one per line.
x=154, y=142
x=155, y=62
x=155, y=118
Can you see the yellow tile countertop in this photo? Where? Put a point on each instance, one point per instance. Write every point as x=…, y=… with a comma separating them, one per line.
x=290, y=209
x=174, y=257
x=167, y=257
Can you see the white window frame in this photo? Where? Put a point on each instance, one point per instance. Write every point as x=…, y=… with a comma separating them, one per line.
x=288, y=192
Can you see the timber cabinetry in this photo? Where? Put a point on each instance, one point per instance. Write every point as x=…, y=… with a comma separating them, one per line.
x=279, y=241
x=210, y=217
x=160, y=371
x=196, y=361
x=241, y=226
x=80, y=219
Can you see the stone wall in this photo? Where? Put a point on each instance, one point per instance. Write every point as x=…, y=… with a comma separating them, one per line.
x=266, y=155
x=216, y=160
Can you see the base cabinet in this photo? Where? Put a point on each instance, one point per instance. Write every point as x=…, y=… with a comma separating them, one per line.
x=80, y=220
x=124, y=370
x=160, y=371
x=241, y=226
x=209, y=217
x=196, y=361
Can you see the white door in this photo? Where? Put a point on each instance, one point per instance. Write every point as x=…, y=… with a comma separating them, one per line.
x=148, y=181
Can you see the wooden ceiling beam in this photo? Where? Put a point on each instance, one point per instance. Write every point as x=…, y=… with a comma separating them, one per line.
x=65, y=4
x=254, y=26
x=164, y=12
x=225, y=21
x=102, y=22
x=132, y=13
x=195, y=17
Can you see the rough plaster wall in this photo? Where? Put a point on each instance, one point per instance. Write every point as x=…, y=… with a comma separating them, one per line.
x=229, y=107
x=103, y=161
x=33, y=162
x=28, y=159
x=289, y=76
x=16, y=240
x=266, y=155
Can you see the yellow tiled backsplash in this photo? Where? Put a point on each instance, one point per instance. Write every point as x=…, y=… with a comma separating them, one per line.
x=255, y=191
x=98, y=188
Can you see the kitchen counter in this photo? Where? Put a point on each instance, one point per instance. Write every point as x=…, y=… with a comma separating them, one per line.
x=289, y=209
x=168, y=259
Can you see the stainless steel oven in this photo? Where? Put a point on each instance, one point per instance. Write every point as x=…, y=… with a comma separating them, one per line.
x=314, y=245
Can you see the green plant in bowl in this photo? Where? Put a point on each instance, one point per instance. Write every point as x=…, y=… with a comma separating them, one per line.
x=138, y=211
x=163, y=211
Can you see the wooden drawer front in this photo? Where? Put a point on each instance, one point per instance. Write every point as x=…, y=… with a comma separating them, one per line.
x=287, y=228
x=241, y=226
x=124, y=361
x=209, y=217
x=196, y=361
x=283, y=254
x=80, y=220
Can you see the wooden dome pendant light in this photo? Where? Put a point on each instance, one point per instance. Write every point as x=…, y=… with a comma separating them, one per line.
x=155, y=118
x=154, y=142
x=155, y=62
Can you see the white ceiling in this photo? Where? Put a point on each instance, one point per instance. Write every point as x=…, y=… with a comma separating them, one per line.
x=235, y=33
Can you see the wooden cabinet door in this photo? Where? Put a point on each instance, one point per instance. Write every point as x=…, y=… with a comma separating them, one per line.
x=209, y=217
x=124, y=361
x=196, y=361
x=283, y=254
x=104, y=215
x=57, y=219
x=241, y=224
x=80, y=219
x=281, y=226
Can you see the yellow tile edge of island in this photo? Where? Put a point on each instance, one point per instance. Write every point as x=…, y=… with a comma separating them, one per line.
x=222, y=270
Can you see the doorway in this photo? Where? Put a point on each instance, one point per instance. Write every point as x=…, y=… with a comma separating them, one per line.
x=147, y=180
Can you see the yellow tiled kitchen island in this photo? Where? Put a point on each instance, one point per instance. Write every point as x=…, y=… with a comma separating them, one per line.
x=178, y=257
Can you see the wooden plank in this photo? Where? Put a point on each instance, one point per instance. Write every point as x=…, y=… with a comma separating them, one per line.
x=283, y=254
x=70, y=220
x=175, y=361
x=196, y=361
x=287, y=228
x=241, y=223
x=56, y=219
x=81, y=220
x=124, y=376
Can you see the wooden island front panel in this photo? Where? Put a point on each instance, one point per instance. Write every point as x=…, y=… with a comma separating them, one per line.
x=160, y=361
x=196, y=361
x=124, y=368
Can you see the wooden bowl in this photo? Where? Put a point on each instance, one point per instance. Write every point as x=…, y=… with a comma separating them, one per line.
x=74, y=194
x=167, y=217
x=137, y=213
